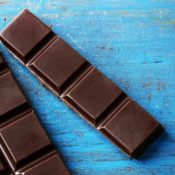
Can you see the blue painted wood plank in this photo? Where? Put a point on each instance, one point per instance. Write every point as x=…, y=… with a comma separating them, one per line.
x=132, y=43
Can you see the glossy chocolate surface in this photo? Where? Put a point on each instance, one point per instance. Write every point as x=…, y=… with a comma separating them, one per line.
x=130, y=126
x=64, y=64
x=23, y=138
x=97, y=99
x=24, y=143
x=26, y=29
x=93, y=95
x=49, y=164
x=10, y=93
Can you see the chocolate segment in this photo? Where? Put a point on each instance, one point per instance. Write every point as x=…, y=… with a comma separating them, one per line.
x=23, y=141
x=30, y=139
x=65, y=64
x=50, y=164
x=25, y=34
x=130, y=127
x=93, y=95
x=86, y=90
x=10, y=93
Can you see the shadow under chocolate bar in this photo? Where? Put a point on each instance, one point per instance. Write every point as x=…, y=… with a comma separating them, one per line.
x=24, y=145
x=71, y=77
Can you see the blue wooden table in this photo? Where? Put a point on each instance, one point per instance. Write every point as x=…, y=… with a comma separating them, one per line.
x=132, y=43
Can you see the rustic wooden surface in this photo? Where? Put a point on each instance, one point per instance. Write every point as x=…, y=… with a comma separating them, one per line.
x=131, y=42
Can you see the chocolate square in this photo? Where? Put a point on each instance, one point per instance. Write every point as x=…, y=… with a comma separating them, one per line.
x=24, y=34
x=131, y=127
x=57, y=64
x=93, y=95
x=48, y=165
x=10, y=94
x=22, y=138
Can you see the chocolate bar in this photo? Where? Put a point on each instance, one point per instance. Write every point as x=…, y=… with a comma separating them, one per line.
x=24, y=145
x=72, y=78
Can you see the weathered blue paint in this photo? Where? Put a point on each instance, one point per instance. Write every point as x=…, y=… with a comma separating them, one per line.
x=132, y=43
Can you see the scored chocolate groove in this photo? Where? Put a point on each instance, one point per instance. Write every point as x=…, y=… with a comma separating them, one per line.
x=71, y=77
x=24, y=145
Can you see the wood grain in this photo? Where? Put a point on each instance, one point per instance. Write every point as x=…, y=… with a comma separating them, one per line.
x=132, y=42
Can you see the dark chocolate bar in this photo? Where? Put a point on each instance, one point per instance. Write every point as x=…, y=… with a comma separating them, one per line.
x=24, y=145
x=71, y=77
